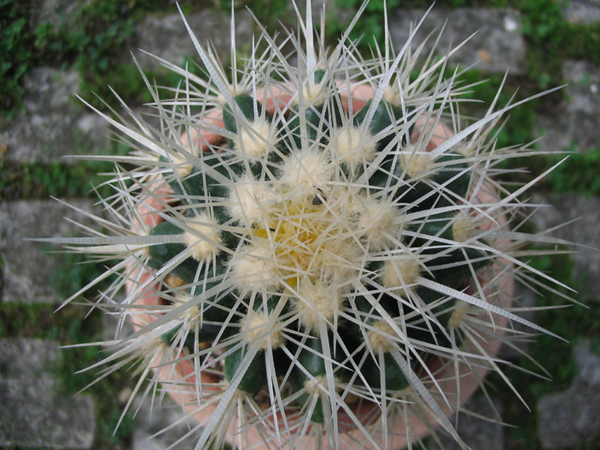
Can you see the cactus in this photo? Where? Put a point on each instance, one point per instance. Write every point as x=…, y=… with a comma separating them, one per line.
x=305, y=266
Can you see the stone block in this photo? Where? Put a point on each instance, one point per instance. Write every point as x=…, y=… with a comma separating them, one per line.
x=55, y=12
x=570, y=418
x=54, y=122
x=519, y=343
x=175, y=44
x=588, y=363
x=585, y=214
x=28, y=267
x=497, y=47
x=582, y=11
x=476, y=432
x=33, y=412
x=573, y=124
x=151, y=421
x=114, y=325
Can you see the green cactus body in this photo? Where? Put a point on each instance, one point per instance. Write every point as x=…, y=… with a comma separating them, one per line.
x=295, y=235
x=255, y=376
x=197, y=180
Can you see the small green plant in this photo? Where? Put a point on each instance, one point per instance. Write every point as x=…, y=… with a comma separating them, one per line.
x=369, y=30
x=552, y=39
x=314, y=253
x=15, y=55
x=23, y=181
x=585, y=165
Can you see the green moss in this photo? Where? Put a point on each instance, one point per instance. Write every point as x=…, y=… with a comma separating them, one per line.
x=370, y=26
x=15, y=57
x=269, y=12
x=27, y=181
x=586, y=166
x=1, y=276
x=21, y=319
x=552, y=39
x=520, y=127
x=57, y=179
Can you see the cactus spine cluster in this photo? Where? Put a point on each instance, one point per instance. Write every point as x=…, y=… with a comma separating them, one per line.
x=325, y=267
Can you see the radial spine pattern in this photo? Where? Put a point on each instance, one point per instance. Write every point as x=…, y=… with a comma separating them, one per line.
x=317, y=252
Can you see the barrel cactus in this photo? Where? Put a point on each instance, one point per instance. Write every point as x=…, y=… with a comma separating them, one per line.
x=307, y=265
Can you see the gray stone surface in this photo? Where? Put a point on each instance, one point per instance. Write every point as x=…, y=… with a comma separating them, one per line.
x=570, y=418
x=588, y=363
x=498, y=45
x=582, y=11
x=584, y=231
x=519, y=343
x=28, y=268
x=54, y=123
x=476, y=432
x=574, y=122
x=150, y=421
x=112, y=328
x=174, y=43
x=32, y=412
x=55, y=12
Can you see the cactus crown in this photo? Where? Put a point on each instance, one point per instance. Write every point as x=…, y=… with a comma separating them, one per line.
x=327, y=265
